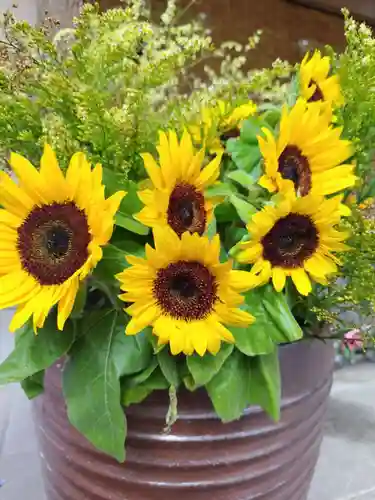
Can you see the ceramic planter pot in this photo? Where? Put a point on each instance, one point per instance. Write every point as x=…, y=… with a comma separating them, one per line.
x=201, y=458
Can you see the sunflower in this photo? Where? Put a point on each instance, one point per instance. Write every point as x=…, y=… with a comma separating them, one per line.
x=292, y=239
x=177, y=197
x=306, y=155
x=50, y=234
x=220, y=123
x=183, y=291
x=316, y=86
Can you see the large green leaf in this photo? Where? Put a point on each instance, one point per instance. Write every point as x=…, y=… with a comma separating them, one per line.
x=132, y=225
x=91, y=384
x=245, y=156
x=112, y=263
x=251, y=128
x=204, y=368
x=256, y=338
x=168, y=366
x=229, y=388
x=242, y=178
x=132, y=394
x=244, y=209
x=131, y=353
x=287, y=329
x=265, y=388
x=34, y=353
x=33, y=386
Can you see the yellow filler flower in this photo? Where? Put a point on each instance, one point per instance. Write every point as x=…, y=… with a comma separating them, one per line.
x=183, y=291
x=295, y=238
x=306, y=155
x=316, y=84
x=219, y=123
x=177, y=198
x=51, y=232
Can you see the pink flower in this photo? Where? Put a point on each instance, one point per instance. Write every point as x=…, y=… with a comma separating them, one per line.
x=353, y=339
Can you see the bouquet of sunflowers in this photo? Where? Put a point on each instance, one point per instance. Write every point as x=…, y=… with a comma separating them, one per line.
x=156, y=240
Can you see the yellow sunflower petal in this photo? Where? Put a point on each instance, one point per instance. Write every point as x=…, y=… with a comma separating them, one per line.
x=301, y=281
x=278, y=278
x=66, y=302
x=29, y=178
x=210, y=173
x=241, y=280
x=138, y=323
x=53, y=176
x=153, y=170
x=250, y=254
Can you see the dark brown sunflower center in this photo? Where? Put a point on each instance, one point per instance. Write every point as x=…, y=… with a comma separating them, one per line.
x=185, y=290
x=230, y=134
x=186, y=210
x=318, y=94
x=295, y=167
x=291, y=241
x=53, y=242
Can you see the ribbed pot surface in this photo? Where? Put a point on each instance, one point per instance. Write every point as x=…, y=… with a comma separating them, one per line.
x=201, y=458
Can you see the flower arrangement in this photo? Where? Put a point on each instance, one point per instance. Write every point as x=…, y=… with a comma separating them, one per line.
x=173, y=240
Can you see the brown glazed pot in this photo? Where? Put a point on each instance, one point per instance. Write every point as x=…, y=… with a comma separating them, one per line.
x=201, y=458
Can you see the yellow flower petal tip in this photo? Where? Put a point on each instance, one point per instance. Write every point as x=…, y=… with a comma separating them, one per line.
x=295, y=238
x=55, y=226
x=185, y=294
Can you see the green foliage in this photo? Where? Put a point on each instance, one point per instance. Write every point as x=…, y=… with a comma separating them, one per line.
x=96, y=361
x=274, y=323
x=265, y=388
x=33, y=386
x=100, y=87
x=34, y=353
x=356, y=68
x=203, y=369
x=243, y=381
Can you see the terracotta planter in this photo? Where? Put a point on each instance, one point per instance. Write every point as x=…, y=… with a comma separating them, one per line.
x=201, y=459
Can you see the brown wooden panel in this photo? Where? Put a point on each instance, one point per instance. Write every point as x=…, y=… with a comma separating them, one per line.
x=364, y=9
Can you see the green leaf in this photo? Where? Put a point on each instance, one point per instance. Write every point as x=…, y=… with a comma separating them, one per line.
x=265, y=388
x=250, y=129
x=130, y=205
x=218, y=189
x=244, y=209
x=143, y=375
x=114, y=182
x=225, y=212
x=211, y=229
x=80, y=301
x=34, y=353
x=256, y=338
x=287, y=329
x=33, y=386
x=133, y=394
x=91, y=385
x=229, y=388
x=132, y=225
x=203, y=369
x=245, y=156
x=112, y=263
x=131, y=353
x=241, y=177
x=168, y=366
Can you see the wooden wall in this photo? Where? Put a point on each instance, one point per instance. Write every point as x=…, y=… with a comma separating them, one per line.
x=285, y=25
